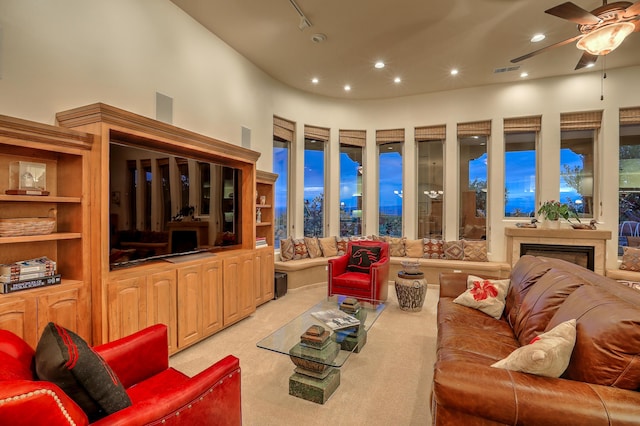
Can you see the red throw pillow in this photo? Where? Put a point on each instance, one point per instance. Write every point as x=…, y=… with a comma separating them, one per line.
x=362, y=257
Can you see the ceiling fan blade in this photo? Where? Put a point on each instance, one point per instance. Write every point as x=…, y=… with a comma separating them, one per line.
x=573, y=13
x=544, y=49
x=586, y=59
x=632, y=10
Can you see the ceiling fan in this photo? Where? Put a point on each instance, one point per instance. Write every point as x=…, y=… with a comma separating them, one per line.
x=601, y=31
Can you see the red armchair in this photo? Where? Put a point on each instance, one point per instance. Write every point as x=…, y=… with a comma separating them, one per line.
x=371, y=286
x=159, y=394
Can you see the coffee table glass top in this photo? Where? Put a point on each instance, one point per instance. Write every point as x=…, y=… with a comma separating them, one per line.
x=288, y=336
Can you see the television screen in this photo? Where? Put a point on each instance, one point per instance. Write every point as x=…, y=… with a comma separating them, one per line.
x=163, y=205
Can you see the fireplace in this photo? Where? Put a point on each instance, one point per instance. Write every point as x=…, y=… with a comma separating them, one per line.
x=580, y=255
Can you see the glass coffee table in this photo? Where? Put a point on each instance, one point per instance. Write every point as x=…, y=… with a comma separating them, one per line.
x=317, y=350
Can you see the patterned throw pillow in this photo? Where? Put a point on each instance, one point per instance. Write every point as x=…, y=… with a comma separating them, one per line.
x=396, y=246
x=362, y=257
x=300, y=249
x=361, y=238
x=475, y=251
x=313, y=247
x=633, y=284
x=413, y=248
x=328, y=246
x=630, y=259
x=432, y=248
x=453, y=250
x=64, y=358
x=342, y=243
x=287, y=249
x=547, y=355
x=484, y=295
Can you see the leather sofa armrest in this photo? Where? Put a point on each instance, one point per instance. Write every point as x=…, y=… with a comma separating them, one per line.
x=26, y=402
x=452, y=284
x=510, y=397
x=138, y=356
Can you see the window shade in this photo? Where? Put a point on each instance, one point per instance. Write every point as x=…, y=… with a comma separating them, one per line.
x=630, y=115
x=389, y=136
x=431, y=133
x=316, y=133
x=283, y=129
x=353, y=137
x=522, y=124
x=477, y=128
x=587, y=120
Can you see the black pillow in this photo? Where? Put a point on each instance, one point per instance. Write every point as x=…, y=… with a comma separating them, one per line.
x=65, y=359
x=362, y=257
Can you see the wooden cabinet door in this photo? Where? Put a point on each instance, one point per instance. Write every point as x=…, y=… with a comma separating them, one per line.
x=127, y=306
x=66, y=307
x=19, y=315
x=211, y=297
x=190, y=305
x=231, y=281
x=267, y=273
x=246, y=299
x=162, y=305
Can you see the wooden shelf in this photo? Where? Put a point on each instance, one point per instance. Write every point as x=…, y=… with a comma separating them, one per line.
x=263, y=224
x=39, y=199
x=263, y=206
x=56, y=236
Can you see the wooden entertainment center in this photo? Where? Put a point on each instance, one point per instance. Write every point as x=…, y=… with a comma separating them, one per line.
x=195, y=294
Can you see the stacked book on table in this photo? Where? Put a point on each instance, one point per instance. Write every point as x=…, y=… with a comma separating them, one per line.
x=261, y=242
x=26, y=274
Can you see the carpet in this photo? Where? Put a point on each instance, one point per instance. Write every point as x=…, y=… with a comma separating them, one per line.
x=387, y=383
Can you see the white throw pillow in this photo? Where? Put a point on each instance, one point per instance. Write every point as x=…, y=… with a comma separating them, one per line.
x=485, y=295
x=547, y=355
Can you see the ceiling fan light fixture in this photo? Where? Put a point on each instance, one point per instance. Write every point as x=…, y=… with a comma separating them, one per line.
x=604, y=40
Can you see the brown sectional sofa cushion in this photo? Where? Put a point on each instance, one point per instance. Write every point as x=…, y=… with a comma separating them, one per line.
x=524, y=274
x=607, y=348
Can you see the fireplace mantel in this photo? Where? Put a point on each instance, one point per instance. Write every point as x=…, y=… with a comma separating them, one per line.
x=563, y=236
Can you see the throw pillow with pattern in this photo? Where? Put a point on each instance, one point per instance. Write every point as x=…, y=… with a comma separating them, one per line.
x=313, y=247
x=328, y=246
x=453, y=250
x=484, y=295
x=342, y=243
x=300, y=249
x=630, y=259
x=287, y=249
x=475, y=251
x=362, y=257
x=396, y=246
x=432, y=248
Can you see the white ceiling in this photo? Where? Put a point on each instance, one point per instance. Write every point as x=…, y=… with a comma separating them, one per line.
x=419, y=40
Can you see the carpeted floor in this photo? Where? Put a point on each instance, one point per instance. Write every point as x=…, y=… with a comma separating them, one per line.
x=387, y=383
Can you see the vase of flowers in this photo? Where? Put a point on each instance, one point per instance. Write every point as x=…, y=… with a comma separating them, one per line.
x=553, y=211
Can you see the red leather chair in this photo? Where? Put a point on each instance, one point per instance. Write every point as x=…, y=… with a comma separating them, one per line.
x=372, y=286
x=159, y=394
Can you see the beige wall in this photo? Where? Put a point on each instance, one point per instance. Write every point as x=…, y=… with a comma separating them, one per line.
x=59, y=55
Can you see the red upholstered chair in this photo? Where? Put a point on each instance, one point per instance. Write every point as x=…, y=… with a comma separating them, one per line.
x=370, y=285
x=159, y=394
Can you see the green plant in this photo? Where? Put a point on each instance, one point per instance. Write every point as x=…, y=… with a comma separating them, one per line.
x=554, y=210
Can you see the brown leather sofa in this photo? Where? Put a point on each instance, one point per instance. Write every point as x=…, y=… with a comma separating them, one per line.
x=600, y=385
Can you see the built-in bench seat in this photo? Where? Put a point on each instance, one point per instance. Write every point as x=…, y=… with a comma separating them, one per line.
x=623, y=275
x=308, y=271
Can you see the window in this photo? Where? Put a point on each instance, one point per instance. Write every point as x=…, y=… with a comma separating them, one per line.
x=283, y=133
x=430, y=145
x=132, y=184
x=183, y=172
x=472, y=143
x=520, y=166
x=629, y=187
x=146, y=199
x=165, y=193
x=390, y=144
x=205, y=188
x=352, y=144
x=315, y=139
x=577, y=153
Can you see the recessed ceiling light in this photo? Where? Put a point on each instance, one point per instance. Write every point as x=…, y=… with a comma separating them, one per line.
x=347, y=87
x=454, y=72
x=397, y=80
x=524, y=74
x=379, y=65
x=537, y=37
x=314, y=80
x=318, y=38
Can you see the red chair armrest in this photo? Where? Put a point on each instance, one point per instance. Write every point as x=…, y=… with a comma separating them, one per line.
x=137, y=356
x=338, y=265
x=26, y=402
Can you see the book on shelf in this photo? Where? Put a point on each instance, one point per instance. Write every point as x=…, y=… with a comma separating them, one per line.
x=261, y=242
x=14, y=278
x=27, y=284
x=336, y=319
x=22, y=267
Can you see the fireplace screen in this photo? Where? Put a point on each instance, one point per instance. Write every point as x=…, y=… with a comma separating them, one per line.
x=580, y=255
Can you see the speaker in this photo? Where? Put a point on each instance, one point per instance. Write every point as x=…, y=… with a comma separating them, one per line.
x=280, y=284
x=164, y=108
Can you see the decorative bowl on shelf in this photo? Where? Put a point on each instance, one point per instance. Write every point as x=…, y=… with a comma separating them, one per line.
x=410, y=267
x=25, y=226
